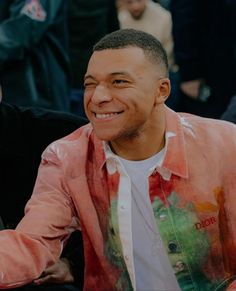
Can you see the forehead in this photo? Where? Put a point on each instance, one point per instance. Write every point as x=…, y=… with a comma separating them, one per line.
x=112, y=60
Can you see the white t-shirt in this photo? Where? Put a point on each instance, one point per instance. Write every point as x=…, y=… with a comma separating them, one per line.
x=153, y=271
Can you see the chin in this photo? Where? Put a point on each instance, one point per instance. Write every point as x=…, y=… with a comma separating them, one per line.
x=102, y=135
x=137, y=15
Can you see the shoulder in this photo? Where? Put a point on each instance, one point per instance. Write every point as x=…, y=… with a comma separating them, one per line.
x=72, y=153
x=158, y=9
x=79, y=135
x=198, y=121
x=209, y=131
x=69, y=148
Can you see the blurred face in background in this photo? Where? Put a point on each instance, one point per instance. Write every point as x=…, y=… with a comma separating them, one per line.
x=135, y=7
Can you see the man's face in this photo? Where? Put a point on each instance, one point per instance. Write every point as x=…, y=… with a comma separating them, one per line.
x=135, y=7
x=121, y=86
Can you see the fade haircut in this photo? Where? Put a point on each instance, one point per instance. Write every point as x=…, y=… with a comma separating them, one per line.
x=124, y=38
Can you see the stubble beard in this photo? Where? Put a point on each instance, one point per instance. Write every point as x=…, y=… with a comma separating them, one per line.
x=130, y=134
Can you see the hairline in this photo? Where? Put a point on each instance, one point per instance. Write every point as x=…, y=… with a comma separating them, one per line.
x=147, y=53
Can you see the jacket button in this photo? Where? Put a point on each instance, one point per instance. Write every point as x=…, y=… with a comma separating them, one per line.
x=172, y=246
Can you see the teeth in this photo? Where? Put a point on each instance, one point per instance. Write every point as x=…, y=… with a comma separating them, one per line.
x=104, y=115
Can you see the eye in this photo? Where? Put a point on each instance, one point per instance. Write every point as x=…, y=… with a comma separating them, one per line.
x=89, y=85
x=119, y=82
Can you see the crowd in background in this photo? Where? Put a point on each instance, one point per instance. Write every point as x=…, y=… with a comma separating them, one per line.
x=45, y=46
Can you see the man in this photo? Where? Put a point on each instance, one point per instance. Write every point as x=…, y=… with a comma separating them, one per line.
x=205, y=46
x=153, y=191
x=24, y=134
x=152, y=18
x=34, y=65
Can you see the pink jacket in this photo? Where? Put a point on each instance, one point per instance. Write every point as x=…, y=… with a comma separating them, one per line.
x=193, y=198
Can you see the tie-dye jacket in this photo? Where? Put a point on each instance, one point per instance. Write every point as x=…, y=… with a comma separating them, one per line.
x=193, y=196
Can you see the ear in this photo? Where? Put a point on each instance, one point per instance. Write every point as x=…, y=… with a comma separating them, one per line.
x=164, y=88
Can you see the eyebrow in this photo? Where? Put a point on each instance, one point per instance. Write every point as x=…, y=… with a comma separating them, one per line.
x=123, y=73
x=120, y=73
x=88, y=77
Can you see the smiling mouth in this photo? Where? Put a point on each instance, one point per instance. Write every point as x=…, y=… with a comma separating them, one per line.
x=105, y=115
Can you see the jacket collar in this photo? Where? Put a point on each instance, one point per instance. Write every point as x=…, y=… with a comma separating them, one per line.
x=175, y=161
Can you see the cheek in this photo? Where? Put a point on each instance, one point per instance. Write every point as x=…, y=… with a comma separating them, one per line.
x=87, y=98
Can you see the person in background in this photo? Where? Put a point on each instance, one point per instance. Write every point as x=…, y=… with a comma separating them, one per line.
x=24, y=133
x=205, y=45
x=152, y=190
x=152, y=18
x=88, y=21
x=34, y=65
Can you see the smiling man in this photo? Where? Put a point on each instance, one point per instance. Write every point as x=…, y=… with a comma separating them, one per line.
x=143, y=183
x=122, y=100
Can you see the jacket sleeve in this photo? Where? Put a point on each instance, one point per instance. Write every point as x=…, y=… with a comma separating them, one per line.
x=39, y=238
x=187, y=18
x=27, y=23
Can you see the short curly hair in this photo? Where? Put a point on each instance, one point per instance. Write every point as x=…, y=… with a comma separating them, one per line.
x=123, y=38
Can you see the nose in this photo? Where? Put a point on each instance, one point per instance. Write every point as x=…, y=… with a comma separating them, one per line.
x=100, y=95
x=135, y=6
